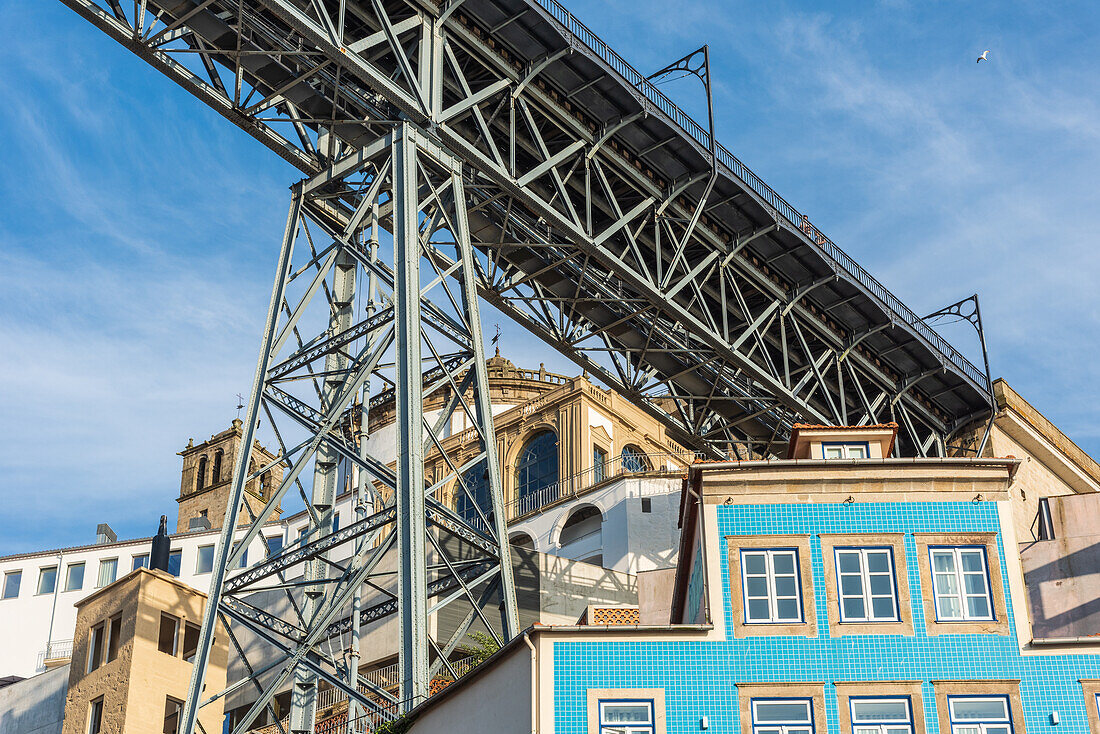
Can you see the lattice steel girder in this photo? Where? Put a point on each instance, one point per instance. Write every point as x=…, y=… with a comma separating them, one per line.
x=588, y=193
x=420, y=333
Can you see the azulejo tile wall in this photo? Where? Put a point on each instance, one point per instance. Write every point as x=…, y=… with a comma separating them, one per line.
x=699, y=677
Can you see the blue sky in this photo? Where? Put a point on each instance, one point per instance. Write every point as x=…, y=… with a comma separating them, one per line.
x=138, y=229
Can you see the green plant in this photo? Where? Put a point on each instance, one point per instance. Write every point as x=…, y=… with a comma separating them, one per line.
x=399, y=725
x=485, y=647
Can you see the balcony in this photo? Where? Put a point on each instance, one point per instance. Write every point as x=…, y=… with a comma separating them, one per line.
x=595, y=477
x=57, y=652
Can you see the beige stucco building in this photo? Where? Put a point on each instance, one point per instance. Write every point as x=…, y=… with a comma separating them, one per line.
x=132, y=650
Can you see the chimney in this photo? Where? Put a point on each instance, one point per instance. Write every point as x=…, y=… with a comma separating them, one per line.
x=104, y=534
x=158, y=556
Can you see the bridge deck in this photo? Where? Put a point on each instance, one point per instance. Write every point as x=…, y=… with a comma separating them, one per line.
x=758, y=321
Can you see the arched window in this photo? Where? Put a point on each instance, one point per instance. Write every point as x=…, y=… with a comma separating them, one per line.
x=217, y=467
x=265, y=484
x=585, y=522
x=522, y=540
x=634, y=459
x=537, y=467
x=475, y=496
x=200, y=478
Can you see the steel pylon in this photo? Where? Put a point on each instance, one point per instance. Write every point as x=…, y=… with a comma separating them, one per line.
x=331, y=352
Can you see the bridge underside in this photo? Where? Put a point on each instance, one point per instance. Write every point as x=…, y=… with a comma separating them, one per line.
x=730, y=318
x=508, y=154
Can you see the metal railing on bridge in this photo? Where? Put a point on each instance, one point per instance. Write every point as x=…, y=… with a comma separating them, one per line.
x=765, y=192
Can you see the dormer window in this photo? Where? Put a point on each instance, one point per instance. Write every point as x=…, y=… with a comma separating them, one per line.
x=845, y=450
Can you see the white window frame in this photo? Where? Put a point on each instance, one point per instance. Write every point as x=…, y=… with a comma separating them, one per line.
x=783, y=727
x=865, y=581
x=276, y=539
x=198, y=558
x=769, y=574
x=885, y=726
x=41, y=574
x=175, y=552
x=987, y=726
x=846, y=450
x=104, y=563
x=69, y=568
x=649, y=727
x=97, y=631
x=95, y=724
x=956, y=554
x=4, y=590
x=243, y=563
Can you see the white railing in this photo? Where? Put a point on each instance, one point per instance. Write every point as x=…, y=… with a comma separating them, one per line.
x=581, y=482
x=55, y=650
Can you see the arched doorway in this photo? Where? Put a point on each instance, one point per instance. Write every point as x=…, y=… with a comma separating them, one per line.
x=581, y=537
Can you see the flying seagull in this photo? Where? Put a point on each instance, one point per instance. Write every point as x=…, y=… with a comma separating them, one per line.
x=984, y=56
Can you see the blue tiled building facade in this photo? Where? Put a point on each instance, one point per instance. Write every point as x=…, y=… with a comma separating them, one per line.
x=845, y=593
x=699, y=677
x=837, y=591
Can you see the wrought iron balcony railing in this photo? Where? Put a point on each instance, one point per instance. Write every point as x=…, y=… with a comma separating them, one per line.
x=582, y=482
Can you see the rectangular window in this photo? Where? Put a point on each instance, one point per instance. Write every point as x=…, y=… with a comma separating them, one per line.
x=204, y=561
x=782, y=716
x=175, y=562
x=845, y=451
x=172, y=709
x=771, y=586
x=244, y=556
x=95, y=716
x=47, y=580
x=881, y=716
x=979, y=715
x=335, y=521
x=114, y=637
x=108, y=572
x=168, y=638
x=12, y=580
x=961, y=584
x=141, y=560
x=626, y=717
x=599, y=464
x=1046, y=522
x=865, y=577
x=274, y=544
x=95, y=646
x=190, y=641
x=74, y=577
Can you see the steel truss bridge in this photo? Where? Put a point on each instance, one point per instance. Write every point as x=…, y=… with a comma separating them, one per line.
x=508, y=154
